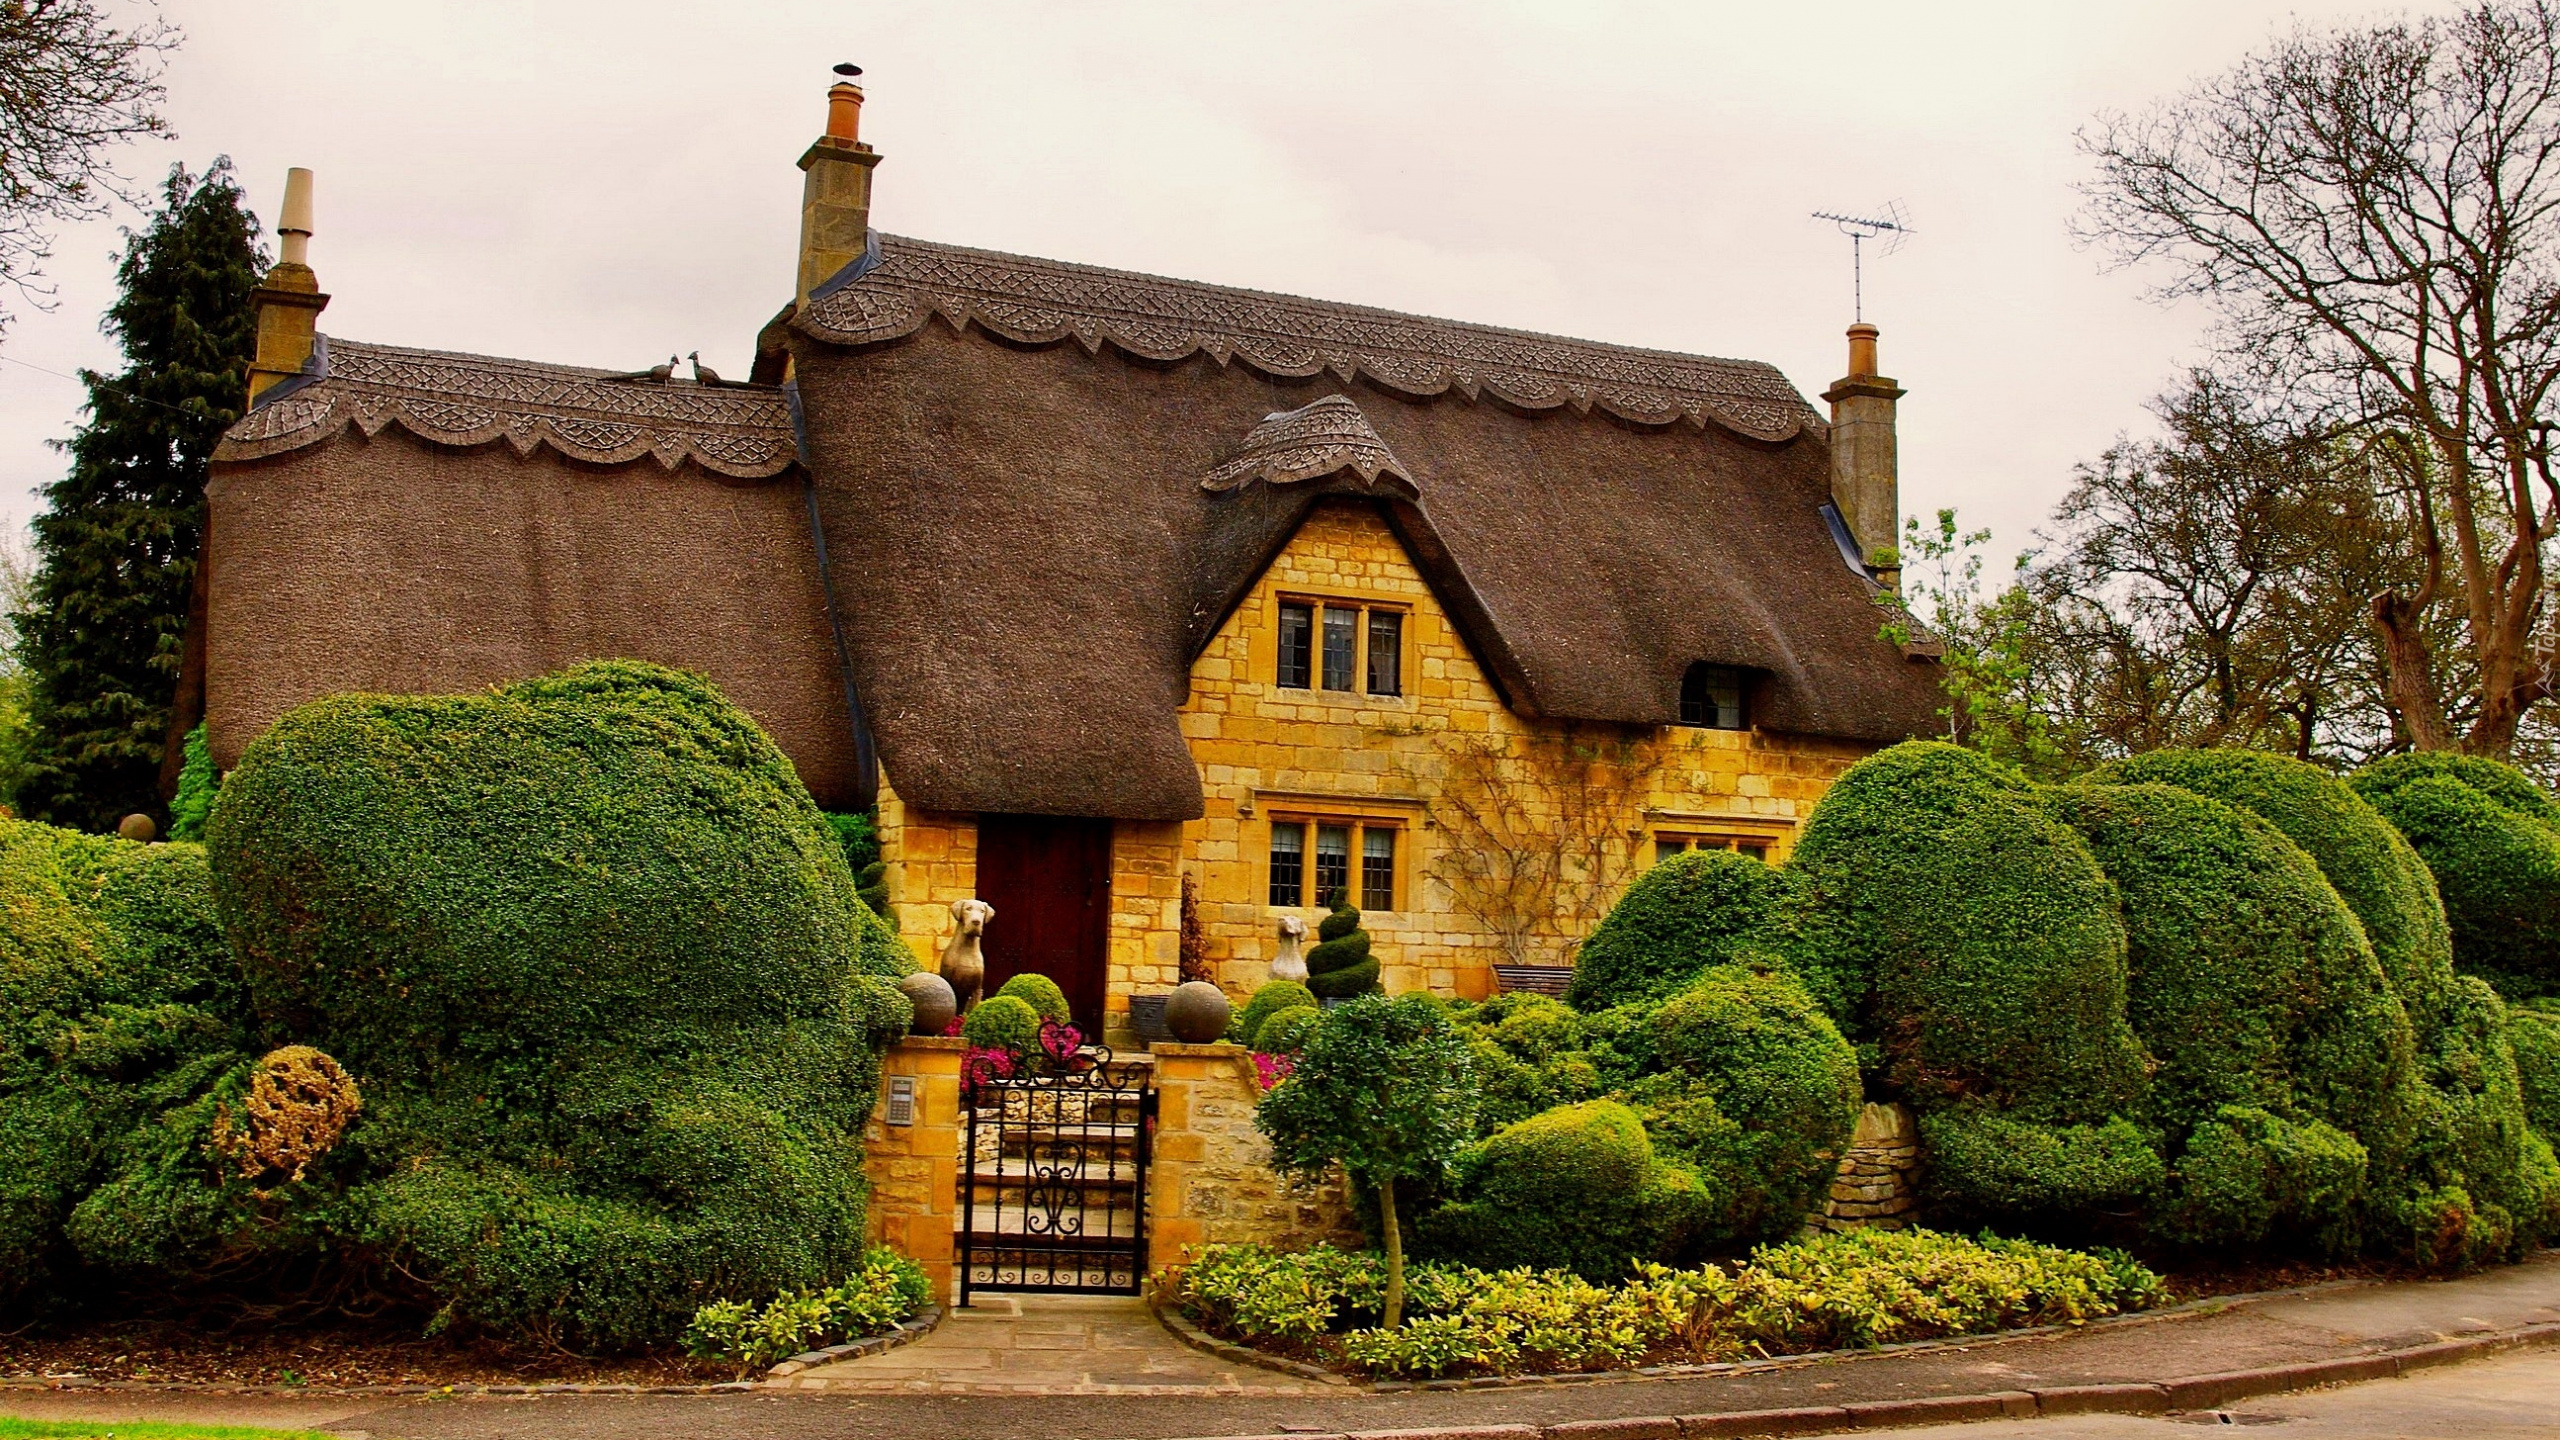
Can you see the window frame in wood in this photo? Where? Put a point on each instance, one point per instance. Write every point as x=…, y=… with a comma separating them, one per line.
x=1309, y=828
x=1667, y=843
x=1702, y=709
x=1309, y=664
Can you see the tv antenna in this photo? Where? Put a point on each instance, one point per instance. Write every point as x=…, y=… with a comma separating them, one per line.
x=1893, y=227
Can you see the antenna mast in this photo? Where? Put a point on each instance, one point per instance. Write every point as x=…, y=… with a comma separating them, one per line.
x=1893, y=227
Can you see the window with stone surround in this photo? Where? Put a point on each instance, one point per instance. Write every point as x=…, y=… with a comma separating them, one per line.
x=1348, y=646
x=1669, y=843
x=1314, y=855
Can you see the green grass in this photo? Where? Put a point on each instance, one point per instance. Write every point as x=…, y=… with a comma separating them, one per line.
x=13, y=1428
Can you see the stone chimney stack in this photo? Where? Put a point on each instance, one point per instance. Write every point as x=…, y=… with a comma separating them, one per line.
x=1864, y=484
x=288, y=300
x=835, y=196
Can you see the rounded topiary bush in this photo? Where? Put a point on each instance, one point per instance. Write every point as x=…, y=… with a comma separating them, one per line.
x=2534, y=1035
x=2246, y=1175
x=1576, y=1188
x=1274, y=997
x=1691, y=911
x=1286, y=1032
x=1040, y=993
x=2493, y=843
x=1003, y=1022
x=2251, y=985
x=596, y=960
x=1764, y=1098
x=1532, y=1053
x=1988, y=1167
x=118, y=1001
x=2365, y=860
x=1963, y=938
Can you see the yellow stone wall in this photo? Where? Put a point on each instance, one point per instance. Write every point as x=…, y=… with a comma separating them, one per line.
x=1266, y=751
x=914, y=1169
x=1209, y=1178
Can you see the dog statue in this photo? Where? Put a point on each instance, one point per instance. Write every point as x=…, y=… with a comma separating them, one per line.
x=964, y=963
x=1291, y=962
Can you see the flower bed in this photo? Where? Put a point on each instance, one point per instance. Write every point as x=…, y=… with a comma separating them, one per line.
x=1856, y=1289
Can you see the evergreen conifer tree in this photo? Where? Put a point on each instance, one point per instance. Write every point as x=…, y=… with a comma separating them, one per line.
x=116, y=546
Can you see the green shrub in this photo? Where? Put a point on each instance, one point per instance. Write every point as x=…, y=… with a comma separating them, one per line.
x=2251, y=986
x=596, y=959
x=1862, y=1288
x=2493, y=843
x=1692, y=911
x=198, y=783
x=1985, y=1166
x=1287, y=1032
x=1340, y=965
x=1964, y=939
x=2474, y=1139
x=1003, y=1022
x=1040, y=993
x=2534, y=1035
x=1767, y=1096
x=2246, y=1172
x=118, y=1001
x=1577, y=1188
x=1274, y=997
x=887, y=1288
x=2368, y=863
x=1531, y=1053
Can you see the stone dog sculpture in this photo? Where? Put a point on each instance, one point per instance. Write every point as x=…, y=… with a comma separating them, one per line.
x=1291, y=962
x=964, y=963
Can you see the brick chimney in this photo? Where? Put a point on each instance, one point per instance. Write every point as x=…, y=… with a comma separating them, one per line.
x=835, y=196
x=1864, y=484
x=288, y=300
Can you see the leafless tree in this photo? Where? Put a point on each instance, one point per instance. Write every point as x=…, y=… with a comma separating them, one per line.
x=2375, y=215
x=1539, y=833
x=75, y=82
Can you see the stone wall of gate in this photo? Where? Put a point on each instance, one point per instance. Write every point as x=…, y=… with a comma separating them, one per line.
x=1209, y=1180
x=915, y=1169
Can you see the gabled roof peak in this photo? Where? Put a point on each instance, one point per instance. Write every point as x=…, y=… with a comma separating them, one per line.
x=1318, y=439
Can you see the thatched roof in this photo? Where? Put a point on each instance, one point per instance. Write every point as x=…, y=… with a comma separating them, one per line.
x=1032, y=540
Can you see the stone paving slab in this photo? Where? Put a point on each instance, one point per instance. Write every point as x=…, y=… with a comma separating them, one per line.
x=1049, y=1345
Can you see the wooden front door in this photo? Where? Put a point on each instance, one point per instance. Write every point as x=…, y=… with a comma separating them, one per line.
x=1049, y=880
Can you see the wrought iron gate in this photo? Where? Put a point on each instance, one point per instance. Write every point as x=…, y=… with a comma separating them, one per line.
x=1053, y=1195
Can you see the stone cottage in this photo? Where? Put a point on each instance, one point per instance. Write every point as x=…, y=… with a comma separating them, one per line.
x=1095, y=583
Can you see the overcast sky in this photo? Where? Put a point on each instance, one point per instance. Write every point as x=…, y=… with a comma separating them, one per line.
x=606, y=183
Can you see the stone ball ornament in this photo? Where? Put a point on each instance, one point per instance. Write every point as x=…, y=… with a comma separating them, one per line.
x=1197, y=1013
x=934, y=1001
x=137, y=827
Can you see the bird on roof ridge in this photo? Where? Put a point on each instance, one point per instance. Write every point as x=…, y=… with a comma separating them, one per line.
x=703, y=374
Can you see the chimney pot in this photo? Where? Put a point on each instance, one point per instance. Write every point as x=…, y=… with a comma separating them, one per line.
x=844, y=112
x=1862, y=350
x=295, y=224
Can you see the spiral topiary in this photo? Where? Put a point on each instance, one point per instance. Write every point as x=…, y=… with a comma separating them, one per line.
x=1340, y=965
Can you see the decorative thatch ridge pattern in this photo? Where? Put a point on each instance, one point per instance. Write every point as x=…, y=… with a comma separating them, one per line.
x=1032, y=301
x=1320, y=438
x=471, y=400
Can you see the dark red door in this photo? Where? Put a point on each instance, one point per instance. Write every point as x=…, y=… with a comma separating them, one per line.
x=1049, y=880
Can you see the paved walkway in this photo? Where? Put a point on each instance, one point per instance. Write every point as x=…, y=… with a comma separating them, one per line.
x=2323, y=1326
x=1049, y=1345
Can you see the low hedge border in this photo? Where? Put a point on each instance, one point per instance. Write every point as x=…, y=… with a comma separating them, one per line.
x=908, y=1331
x=2188, y=1394
x=1181, y=1327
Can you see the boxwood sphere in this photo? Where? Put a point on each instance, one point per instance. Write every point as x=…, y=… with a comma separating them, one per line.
x=595, y=958
x=1691, y=911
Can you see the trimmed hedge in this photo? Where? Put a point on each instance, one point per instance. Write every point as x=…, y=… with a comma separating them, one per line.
x=596, y=960
x=2251, y=986
x=2534, y=1035
x=118, y=1000
x=2493, y=843
x=1690, y=912
x=1531, y=1053
x=1963, y=938
x=1274, y=997
x=1765, y=1096
x=2246, y=1173
x=1576, y=1188
x=1040, y=993
x=1985, y=1166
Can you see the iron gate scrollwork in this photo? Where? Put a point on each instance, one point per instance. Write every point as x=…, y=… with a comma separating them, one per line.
x=1053, y=1196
